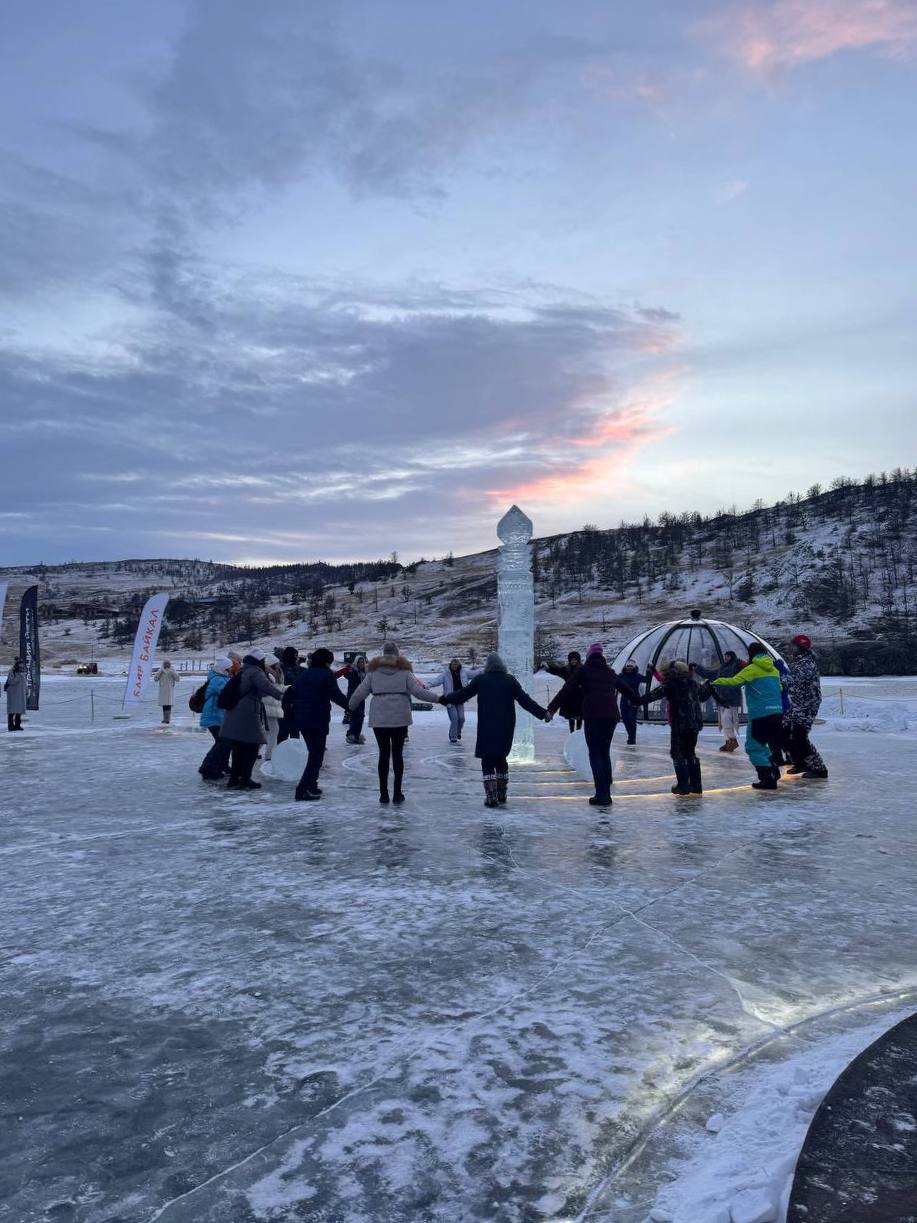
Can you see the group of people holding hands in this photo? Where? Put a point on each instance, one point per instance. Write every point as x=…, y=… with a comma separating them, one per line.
x=252, y=703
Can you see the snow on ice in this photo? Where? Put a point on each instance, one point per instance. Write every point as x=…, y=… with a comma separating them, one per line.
x=219, y=1006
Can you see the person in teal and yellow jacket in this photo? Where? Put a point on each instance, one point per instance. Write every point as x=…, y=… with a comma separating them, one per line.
x=764, y=699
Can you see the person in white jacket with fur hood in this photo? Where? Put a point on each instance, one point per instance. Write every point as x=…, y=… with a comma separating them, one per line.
x=391, y=683
x=273, y=709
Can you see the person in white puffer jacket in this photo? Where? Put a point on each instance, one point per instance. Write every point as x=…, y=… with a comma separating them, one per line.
x=166, y=679
x=273, y=709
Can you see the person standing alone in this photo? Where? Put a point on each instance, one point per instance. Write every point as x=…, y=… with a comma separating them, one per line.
x=15, y=695
x=166, y=679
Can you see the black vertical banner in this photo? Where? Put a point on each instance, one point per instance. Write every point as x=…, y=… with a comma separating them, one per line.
x=29, y=650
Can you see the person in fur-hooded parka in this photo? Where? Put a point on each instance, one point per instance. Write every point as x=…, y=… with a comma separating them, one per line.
x=391, y=682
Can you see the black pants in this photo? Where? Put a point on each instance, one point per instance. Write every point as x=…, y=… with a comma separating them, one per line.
x=355, y=726
x=391, y=750
x=682, y=745
x=575, y=724
x=769, y=731
x=629, y=718
x=599, y=733
x=286, y=730
x=243, y=760
x=315, y=742
x=494, y=764
x=216, y=761
x=803, y=751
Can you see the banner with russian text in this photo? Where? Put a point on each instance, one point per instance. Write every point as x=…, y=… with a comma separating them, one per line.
x=144, y=648
x=29, y=649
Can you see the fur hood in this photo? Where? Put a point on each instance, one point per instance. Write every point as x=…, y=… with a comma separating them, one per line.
x=392, y=664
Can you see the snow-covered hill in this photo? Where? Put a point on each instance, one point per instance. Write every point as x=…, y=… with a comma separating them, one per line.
x=839, y=564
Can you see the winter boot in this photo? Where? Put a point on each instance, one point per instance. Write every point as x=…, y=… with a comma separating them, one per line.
x=820, y=774
x=694, y=776
x=725, y=746
x=383, y=796
x=683, y=780
x=766, y=779
x=794, y=770
x=10, y=723
x=598, y=801
x=490, y=790
x=502, y=787
x=350, y=739
x=397, y=797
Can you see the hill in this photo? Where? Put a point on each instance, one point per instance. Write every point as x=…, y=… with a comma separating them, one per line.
x=839, y=563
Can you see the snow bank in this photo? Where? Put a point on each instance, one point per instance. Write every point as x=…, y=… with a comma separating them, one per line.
x=741, y=1167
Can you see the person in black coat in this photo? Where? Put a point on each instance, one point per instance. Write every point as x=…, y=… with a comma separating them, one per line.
x=572, y=706
x=599, y=686
x=313, y=691
x=630, y=676
x=355, y=677
x=686, y=720
x=498, y=693
x=289, y=662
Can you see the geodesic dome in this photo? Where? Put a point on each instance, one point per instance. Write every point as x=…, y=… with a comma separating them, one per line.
x=693, y=640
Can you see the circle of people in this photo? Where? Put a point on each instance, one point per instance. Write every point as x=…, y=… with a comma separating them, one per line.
x=252, y=702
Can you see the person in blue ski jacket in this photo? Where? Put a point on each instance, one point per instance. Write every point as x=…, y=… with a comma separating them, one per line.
x=764, y=700
x=216, y=763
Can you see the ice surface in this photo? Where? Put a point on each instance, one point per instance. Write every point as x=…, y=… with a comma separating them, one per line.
x=234, y=1007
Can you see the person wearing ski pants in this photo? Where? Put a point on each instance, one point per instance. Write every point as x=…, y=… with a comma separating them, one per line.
x=764, y=698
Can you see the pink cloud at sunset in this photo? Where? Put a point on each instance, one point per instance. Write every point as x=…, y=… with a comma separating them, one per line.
x=617, y=433
x=767, y=37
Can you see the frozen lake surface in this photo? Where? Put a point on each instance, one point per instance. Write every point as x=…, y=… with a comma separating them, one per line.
x=225, y=1007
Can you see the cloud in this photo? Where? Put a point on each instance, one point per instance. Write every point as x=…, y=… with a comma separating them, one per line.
x=300, y=408
x=770, y=35
x=615, y=433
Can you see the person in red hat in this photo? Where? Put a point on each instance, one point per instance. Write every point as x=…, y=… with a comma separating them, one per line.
x=804, y=689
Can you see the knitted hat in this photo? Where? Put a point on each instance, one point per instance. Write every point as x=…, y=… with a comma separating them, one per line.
x=222, y=663
x=391, y=649
x=258, y=655
x=597, y=648
x=804, y=642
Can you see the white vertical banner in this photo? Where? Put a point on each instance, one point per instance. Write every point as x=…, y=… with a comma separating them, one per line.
x=4, y=586
x=144, y=648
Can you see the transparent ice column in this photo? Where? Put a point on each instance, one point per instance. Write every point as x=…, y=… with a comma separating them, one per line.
x=516, y=617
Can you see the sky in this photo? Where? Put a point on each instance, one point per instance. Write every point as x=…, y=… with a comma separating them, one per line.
x=300, y=280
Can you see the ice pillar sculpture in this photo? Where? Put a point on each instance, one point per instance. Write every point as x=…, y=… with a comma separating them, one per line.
x=516, y=617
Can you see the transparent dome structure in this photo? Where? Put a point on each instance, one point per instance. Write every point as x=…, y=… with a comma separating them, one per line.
x=693, y=640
